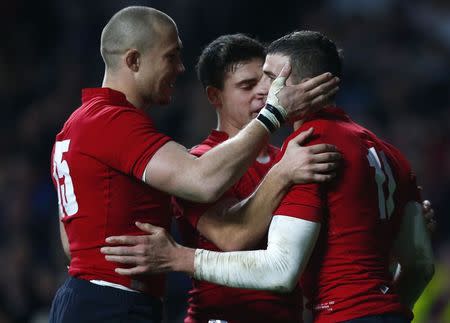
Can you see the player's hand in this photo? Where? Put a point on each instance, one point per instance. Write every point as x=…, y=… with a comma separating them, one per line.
x=299, y=99
x=428, y=213
x=312, y=164
x=145, y=254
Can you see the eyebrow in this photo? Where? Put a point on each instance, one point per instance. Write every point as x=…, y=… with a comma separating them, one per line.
x=247, y=81
x=270, y=74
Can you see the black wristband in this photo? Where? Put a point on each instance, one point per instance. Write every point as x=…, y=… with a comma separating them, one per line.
x=266, y=122
x=275, y=112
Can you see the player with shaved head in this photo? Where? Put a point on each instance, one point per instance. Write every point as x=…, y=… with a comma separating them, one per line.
x=112, y=168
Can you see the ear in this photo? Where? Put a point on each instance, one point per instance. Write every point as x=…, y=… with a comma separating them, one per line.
x=133, y=59
x=214, y=96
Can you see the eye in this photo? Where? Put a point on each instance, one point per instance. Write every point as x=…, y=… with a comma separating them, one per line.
x=247, y=87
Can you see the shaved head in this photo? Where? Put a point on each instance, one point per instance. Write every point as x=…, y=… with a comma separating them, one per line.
x=134, y=27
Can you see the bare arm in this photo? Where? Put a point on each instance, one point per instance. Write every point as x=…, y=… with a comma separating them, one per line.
x=243, y=225
x=173, y=170
x=236, y=226
x=277, y=268
x=206, y=178
x=414, y=253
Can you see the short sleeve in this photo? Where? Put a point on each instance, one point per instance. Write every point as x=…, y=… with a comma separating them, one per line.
x=124, y=139
x=304, y=201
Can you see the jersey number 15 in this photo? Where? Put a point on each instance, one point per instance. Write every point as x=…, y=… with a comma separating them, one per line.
x=67, y=200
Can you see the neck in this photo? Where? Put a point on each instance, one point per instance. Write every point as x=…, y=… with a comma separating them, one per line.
x=122, y=84
x=297, y=124
x=225, y=126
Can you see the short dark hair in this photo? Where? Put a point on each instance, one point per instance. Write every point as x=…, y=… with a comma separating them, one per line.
x=223, y=54
x=310, y=52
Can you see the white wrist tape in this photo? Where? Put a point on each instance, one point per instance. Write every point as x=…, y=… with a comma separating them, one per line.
x=272, y=98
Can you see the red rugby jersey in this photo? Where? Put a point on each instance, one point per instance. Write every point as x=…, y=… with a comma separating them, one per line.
x=360, y=212
x=211, y=301
x=97, y=165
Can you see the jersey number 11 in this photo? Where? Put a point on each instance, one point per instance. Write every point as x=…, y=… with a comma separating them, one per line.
x=386, y=205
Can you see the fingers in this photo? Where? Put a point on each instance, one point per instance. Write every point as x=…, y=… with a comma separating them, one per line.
x=326, y=157
x=124, y=240
x=138, y=270
x=278, y=84
x=322, y=98
x=322, y=178
x=129, y=260
x=316, y=81
x=285, y=72
x=147, y=227
x=324, y=167
x=300, y=138
x=119, y=251
x=322, y=148
x=324, y=88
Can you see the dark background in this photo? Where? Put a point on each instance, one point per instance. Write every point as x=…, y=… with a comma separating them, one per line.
x=396, y=82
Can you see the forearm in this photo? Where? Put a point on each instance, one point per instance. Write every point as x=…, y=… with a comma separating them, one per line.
x=173, y=170
x=277, y=268
x=222, y=166
x=244, y=224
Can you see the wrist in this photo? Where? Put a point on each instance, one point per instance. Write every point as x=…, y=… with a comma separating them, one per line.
x=271, y=117
x=183, y=260
x=280, y=176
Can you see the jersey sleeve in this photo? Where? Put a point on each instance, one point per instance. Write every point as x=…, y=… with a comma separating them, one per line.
x=126, y=140
x=304, y=201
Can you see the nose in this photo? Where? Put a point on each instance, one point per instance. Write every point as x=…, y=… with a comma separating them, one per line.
x=263, y=86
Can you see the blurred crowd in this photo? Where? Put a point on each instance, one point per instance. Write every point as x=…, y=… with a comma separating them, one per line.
x=396, y=82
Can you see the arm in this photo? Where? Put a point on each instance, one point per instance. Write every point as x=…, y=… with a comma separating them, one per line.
x=277, y=268
x=173, y=170
x=242, y=225
x=414, y=253
x=205, y=179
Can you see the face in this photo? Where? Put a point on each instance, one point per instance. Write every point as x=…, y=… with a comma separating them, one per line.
x=159, y=68
x=272, y=67
x=241, y=97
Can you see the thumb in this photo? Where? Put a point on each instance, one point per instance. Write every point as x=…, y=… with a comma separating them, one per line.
x=285, y=71
x=280, y=81
x=301, y=138
x=146, y=227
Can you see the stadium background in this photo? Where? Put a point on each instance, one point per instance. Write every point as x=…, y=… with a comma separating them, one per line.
x=397, y=83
